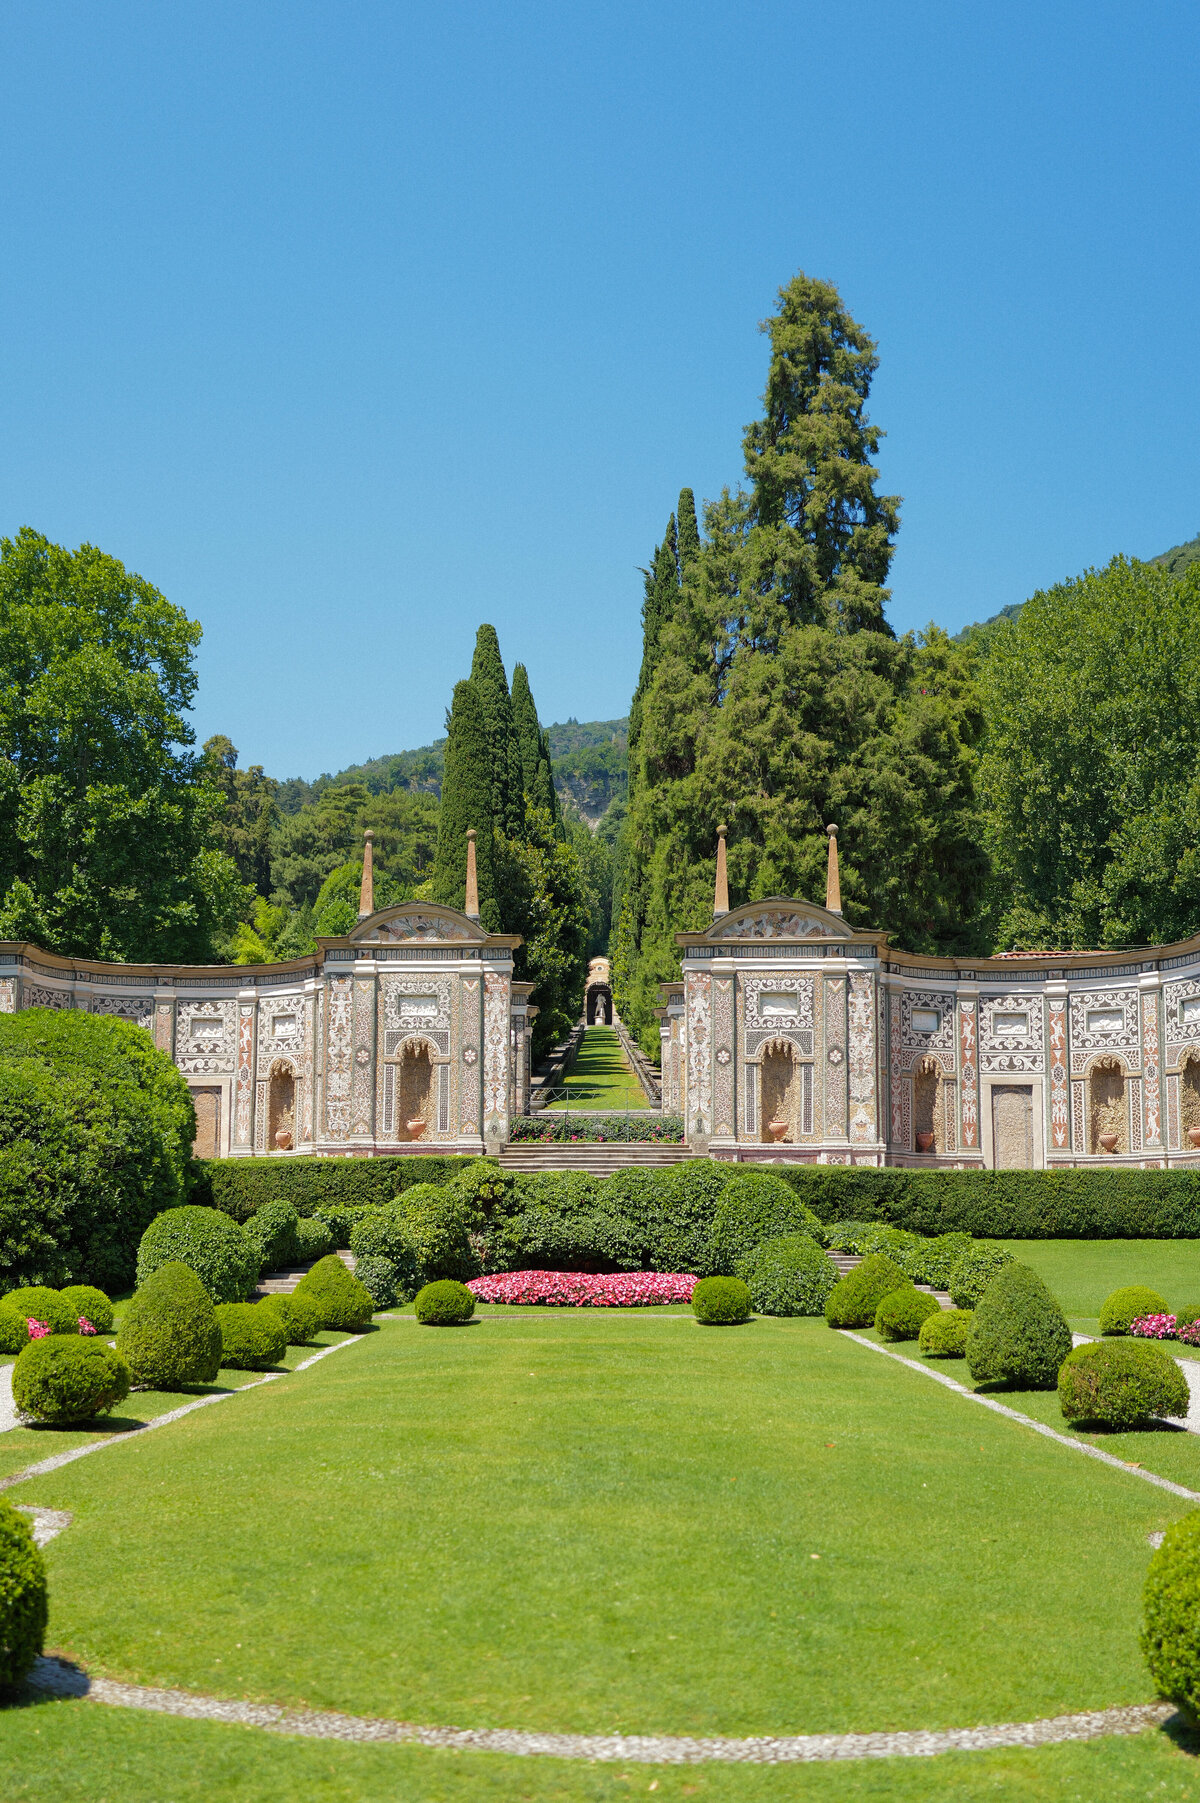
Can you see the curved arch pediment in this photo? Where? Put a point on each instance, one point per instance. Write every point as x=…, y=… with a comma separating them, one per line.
x=778, y=917
x=420, y=922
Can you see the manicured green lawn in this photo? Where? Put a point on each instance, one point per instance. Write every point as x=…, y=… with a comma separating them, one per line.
x=600, y=1521
x=602, y=1071
x=1081, y=1273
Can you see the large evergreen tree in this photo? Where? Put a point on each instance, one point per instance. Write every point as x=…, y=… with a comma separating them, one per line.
x=537, y=771
x=467, y=802
x=491, y=686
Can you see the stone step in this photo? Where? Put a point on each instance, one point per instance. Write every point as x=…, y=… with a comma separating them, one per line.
x=600, y=1160
x=282, y=1283
x=846, y=1261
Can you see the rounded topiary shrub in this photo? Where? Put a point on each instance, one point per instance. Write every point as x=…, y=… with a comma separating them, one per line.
x=92, y=1304
x=1018, y=1333
x=1170, y=1636
x=721, y=1301
x=379, y=1276
x=208, y=1243
x=971, y=1274
x=1184, y=1317
x=902, y=1314
x=384, y=1233
x=1121, y=1382
x=23, y=1604
x=314, y=1239
x=273, y=1231
x=345, y=1304
x=14, y=1329
x=253, y=1338
x=68, y=1378
x=444, y=1303
x=1125, y=1305
x=169, y=1335
x=300, y=1316
x=38, y=1303
x=755, y=1206
x=854, y=1298
x=788, y=1276
x=944, y=1334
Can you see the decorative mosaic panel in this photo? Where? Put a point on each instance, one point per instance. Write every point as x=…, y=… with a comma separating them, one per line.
x=8, y=995
x=422, y=928
x=1151, y=1094
x=698, y=1013
x=1135, y=1114
x=723, y=1064
x=339, y=1048
x=261, y=1110
x=861, y=1012
x=362, y=1084
x=968, y=1055
x=1104, y=1005
x=898, y=1086
x=834, y=1124
x=766, y=1020
x=1001, y=1051
x=751, y=1076
x=776, y=923
x=206, y=1037
x=1060, y=1119
x=1078, y=1116
x=911, y=1042
x=496, y=1014
x=1173, y=1113
x=164, y=1028
x=1181, y=1011
x=469, y=1090
x=244, y=1082
x=36, y=997
x=806, y=1100
x=136, y=1008
x=283, y=1024
x=949, y=1114
x=443, y=1098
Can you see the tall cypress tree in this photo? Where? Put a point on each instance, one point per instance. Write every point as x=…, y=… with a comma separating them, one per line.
x=688, y=532
x=466, y=802
x=537, y=772
x=491, y=685
x=658, y=606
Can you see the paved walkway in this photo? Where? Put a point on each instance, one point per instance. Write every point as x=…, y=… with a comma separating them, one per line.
x=8, y=1408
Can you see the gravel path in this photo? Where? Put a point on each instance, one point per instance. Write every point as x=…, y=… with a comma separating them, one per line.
x=8, y=1411
x=65, y=1680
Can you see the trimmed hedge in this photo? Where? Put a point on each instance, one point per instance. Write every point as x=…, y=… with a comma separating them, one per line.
x=854, y=1298
x=445, y=1303
x=902, y=1315
x=301, y=1318
x=253, y=1338
x=440, y=1219
x=944, y=1335
x=23, y=1601
x=1127, y=1304
x=240, y=1186
x=756, y=1206
x=1121, y=1382
x=378, y=1275
x=789, y=1275
x=385, y=1236
x=345, y=1305
x=37, y=1303
x=314, y=1239
x=65, y=1378
x=1018, y=1334
x=971, y=1274
x=209, y=1243
x=169, y=1334
x=91, y=1303
x=721, y=1302
x=1170, y=1637
x=272, y=1231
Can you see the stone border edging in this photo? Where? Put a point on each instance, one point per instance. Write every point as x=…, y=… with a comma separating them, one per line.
x=59, y=1459
x=1039, y=1427
x=56, y=1678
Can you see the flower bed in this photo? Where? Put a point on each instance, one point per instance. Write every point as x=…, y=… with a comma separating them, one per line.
x=582, y=1289
x=1154, y=1327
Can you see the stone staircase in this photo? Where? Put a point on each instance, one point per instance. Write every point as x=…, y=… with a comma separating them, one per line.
x=600, y=1160
x=282, y=1283
x=846, y=1261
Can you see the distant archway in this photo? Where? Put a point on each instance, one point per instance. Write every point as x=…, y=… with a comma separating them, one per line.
x=415, y=1090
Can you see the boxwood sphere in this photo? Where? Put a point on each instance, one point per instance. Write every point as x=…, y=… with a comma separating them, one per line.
x=91, y=1303
x=14, y=1330
x=1170, y=1636
x=1121, y=1382
x=253, y=1337
x=854, y=1298
x=39, y=1303
x=345, y=1304
x=1126, y=1305
x=220, y=1252
x=789, y=1275
x=444, y=1303
x=169, y=1332
x=66, y=1378
x=22, y=1596
x=721, y=1301
x=901, y=1315
x=300, y=1316
x=944, y=1334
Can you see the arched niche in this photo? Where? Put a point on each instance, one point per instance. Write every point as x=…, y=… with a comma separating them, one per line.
x=1189, y=1098
x=1108, y=1108
x=414, y=1090
x=281, y=1105
x=781, y=1092
x=927, y=1112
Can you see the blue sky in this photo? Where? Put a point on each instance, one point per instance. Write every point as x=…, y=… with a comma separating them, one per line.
x=350, y=326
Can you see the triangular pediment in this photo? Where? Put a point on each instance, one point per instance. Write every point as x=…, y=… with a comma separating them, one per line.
x=778, y=917
x=427, y=923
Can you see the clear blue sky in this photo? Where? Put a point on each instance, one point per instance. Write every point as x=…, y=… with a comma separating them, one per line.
x=352, y=325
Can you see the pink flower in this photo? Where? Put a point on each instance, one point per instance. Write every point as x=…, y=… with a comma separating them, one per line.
x=85, y=1325
x=1190, y=1335
x=38, y=1330
x=584, y=1289
x=1153, y=1327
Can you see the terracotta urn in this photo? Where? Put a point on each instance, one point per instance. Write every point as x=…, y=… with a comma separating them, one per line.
x=924, y=1142
x=1107, y=1142
x=283, y=1138
x=777, y=1129
x=1193, y=1134
x=416, y=1128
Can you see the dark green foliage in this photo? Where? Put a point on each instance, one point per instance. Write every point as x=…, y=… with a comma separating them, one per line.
x=96, y=1128
x=1170, y=1638
x=239, y=1186
x=300, y=1318
x=23, y=1602
x=209, y=1243
x=537, y=771
x=386, y=1235
x=14, y=1330
x=971, y=1275
x=90, y=1303
x=242, y=828
x=313, y=1240
x=504, y=752
x=893, y=1242
x=931, y=1261
x=272, y=1231
x=570, y=1221
x=169, y=1335
x=944, y=1334
x=721, y=1301
x=854, y=1298
x=483, y=1187
x=674, y=1211
x=789, y=1275
x=755, y=1206
x=1126, y=1305
x=345, y=1305
x=253, y=1338
x=1018, y=1334
x=378, y=1275
x=1121, y=1383
x=901, y=1315
x=65, y=1378
x=51, y=1307
x=543, y=898
x=444, y=1304
x=467, y=803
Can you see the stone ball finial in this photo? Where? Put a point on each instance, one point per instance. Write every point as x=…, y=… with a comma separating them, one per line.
x=369, y=836
x=722, y=830
x=470, y=832
x=832, y=831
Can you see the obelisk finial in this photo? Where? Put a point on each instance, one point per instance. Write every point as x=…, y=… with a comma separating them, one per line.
x=721, y=892
x=471, y=904
x=366, y=894
x=833, y=880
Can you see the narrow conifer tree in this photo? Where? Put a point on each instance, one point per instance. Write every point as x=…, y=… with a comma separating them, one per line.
x=491, y=686
x=662, y=595
x=466, y=802
x=687, y=531
x=536, y=769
